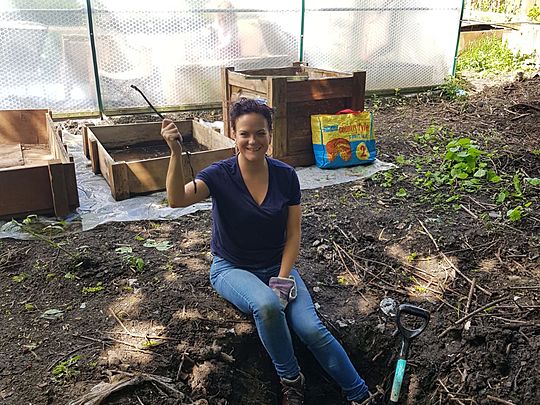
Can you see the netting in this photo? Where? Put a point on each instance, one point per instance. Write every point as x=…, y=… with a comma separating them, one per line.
x=173, y=50
x=399, y=43
x=45, y=58
x=174, y=53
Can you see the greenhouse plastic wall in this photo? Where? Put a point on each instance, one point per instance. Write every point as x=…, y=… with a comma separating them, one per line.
x=173, y=49
x=400, y=44
x=174, y=52
x=45, y=58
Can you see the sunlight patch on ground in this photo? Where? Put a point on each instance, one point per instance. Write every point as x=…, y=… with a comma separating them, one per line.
x=193, y=238
x=128, y=306
x=368, y=302
x=132, y=340
x=186, y=313
x=488, y=265
x=429, y=276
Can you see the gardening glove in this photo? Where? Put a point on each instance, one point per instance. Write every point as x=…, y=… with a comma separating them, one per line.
x=284, y=288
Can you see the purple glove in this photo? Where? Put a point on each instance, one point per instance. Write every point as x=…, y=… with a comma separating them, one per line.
x=285, y=289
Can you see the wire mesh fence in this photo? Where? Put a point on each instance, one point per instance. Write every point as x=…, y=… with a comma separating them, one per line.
x=173, y=50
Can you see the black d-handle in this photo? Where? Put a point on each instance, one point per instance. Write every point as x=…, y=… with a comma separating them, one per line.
x=414, y=311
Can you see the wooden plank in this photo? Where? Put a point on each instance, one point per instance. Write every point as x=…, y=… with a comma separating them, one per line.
x=320, y=89
x=23, y=126
x=11, y=155
x=200, y=160
x=58, y=188
x=301, y=145
x=57, y=147
x=114, y=136
x=277, y=99
x=237, y=92
x=71, y=185
x=299, y=160
x=274, y=72
x=36, y=154
x=146, y=176
x=225, y=99
x=105, y=164
x=210, y=138
x=358, y=91
x=120, y=183
x=303, y=111
x=33, y=197
x=315, y=73
x=94, y=155
x=238, y=79
x=86, y=149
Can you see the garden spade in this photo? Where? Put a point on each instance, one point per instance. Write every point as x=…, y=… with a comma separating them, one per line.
x=178, y=140
x=419, y=317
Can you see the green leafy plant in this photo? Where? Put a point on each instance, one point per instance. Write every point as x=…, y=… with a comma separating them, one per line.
x=429, y=134
x=66, y=369
x=161, y=246
x=534, y=13
x=28, y=224
x=92, y=290
x=515, y=214
x=135, y=263
x=401, y=193
x=400, y=160
x=19, y=278
x=385, y=178
x=455, y=88
x=462, y=162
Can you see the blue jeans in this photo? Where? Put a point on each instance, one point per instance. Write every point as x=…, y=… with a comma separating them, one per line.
x=249, y=291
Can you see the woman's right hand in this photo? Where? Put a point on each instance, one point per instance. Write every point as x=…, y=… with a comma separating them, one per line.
x=172, y=136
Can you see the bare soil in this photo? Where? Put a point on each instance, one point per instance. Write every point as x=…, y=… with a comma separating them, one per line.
x=389, y=236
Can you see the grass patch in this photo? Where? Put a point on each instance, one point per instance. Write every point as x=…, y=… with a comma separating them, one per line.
x=489, y=55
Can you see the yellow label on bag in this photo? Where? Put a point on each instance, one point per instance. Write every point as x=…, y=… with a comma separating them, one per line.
x=342, y=139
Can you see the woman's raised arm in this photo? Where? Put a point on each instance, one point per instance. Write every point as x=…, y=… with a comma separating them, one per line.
x=179, y=194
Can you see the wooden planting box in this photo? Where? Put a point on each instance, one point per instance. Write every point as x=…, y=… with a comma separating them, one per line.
x=37, y=175
x=295, y=93
x=134, y=158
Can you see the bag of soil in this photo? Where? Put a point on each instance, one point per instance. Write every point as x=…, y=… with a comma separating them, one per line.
x=343, y=139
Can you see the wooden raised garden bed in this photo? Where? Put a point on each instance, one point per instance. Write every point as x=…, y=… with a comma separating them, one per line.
x=134, y=158
x=37, y=175
x=296, y=93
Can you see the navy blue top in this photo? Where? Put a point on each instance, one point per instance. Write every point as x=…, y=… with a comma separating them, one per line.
x=244, y=233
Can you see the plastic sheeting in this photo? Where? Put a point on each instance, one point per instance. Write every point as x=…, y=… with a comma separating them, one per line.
x=97, y=206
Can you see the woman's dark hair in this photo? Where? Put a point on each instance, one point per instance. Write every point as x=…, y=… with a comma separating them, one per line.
x=248, y=106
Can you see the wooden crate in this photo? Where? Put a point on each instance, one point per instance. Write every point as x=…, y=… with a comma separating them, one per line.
x=37, y=175
x=134, y=158
x=295, y=93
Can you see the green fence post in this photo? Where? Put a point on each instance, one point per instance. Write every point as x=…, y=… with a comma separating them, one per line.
x=94, y=56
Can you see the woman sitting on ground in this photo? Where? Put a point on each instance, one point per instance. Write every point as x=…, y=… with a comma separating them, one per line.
x=255, y=243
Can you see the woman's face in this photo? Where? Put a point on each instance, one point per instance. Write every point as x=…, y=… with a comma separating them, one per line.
x=252, y=136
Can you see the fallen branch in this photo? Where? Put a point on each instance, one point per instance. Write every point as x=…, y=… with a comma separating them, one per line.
x=469, y=298
x=103, y=390
x=473, y=313
x=499, y=400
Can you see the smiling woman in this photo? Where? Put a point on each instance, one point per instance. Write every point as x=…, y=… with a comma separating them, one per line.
x=255, y=243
